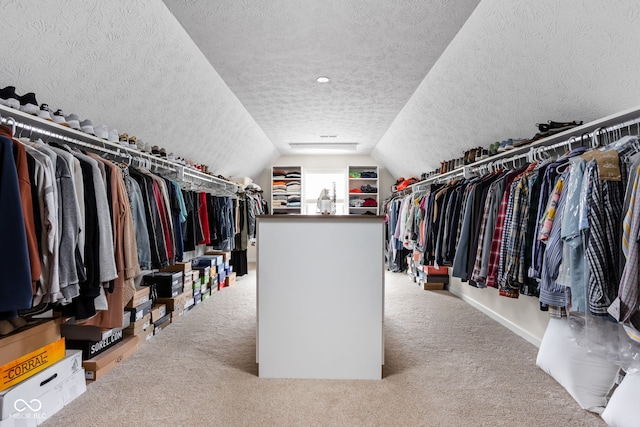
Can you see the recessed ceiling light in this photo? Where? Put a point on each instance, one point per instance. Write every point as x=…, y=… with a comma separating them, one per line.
x=322, y=79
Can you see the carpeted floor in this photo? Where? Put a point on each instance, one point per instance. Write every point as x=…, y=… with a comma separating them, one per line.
x=446, y=364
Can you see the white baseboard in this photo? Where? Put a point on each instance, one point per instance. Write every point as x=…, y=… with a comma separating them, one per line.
x=498, y=318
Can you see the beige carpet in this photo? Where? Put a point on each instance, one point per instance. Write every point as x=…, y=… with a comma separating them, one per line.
x=447, y=364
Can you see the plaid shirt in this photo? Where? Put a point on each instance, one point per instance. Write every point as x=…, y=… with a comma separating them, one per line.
x=628, y=290
x=514, y=267
x=504, y=244
x=603, y=246
x=494, y=257
x=487, y=225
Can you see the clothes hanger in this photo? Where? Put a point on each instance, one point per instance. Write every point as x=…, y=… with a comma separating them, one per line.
x=11, y=122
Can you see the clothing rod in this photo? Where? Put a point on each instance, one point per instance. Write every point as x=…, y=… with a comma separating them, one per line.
x=122, y=152
x=541, y=146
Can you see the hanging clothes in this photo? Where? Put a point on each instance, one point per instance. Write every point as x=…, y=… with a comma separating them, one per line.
x=17, y=290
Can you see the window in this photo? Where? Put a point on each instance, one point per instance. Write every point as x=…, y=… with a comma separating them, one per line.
x=315, y=180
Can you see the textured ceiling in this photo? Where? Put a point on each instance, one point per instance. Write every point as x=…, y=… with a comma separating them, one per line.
x=516, y=63
x=130, y=65
x=229, y=83
x=376, y=53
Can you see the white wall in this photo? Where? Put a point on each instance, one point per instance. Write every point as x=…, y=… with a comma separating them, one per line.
x=522, y=315
x=513, y=64
x=131, y=66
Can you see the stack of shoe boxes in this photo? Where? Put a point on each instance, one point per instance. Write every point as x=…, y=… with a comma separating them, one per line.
x=36, y=369
x=188, y=282
x=170, y=291
x=104, y=362
x=226, y=276
x=92, y=340
x=195, y=286
x=101, y=349
x=434, y=278
x=141, y=303
x=221, y=261
x=167, y=287
x=208, y=271
x=33, y=400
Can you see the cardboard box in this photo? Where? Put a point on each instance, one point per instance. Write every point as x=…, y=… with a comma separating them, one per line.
x=166, y=284
x=30, y=364
x=204, y=274
x=161, y=324
x=430, y=269
x=433, y=286
x=140, y=311
x=139, y=297
x=91, y=348
x=188, y=282
x=43, y=407
x=146, y=334
x=226, y=256
x=36, y=402
x=195, y=275
x=158, y=311
x=436, y=278
x=40, y=383
x=77, y=331
x=27, y=339
x=206, y=295
x=176, y=315
x=138, y=327
x=203, y=262
x=230, y=279
x=105, y=362
x=184, y=267
x=177, y=303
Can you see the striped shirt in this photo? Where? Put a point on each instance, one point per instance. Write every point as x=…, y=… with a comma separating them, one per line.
x=628, y=289
x=603, y=245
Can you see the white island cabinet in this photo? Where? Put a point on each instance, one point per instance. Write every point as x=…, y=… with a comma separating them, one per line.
x=320, y=283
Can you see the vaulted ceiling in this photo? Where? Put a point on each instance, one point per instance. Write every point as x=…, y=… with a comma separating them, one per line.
x=231, y=83
x=375, y=52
